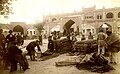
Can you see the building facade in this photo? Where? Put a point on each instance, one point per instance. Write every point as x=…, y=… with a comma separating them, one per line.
x=19, y=27
x=87, y=20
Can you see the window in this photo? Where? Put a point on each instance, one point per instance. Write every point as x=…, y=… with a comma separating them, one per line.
x=89, y=17
x=109, y=15
x=97, y=16
x=119, y=15
x=88, y=30
x=100, y=16
x=30, y=32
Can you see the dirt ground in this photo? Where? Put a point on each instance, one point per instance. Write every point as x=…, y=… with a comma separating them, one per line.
x=48, y=66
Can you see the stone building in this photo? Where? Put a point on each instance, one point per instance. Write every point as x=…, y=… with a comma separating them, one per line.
x=19, y=27
x=87, y=20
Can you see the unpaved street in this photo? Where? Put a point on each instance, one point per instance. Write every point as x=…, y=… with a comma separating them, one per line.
x=48, y=66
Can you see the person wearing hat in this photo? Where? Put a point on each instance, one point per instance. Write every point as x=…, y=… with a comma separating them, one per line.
x=83, y=37
x=31, y=49
x=101, y=42
x=10, y=37
x=15, y=56
x=113, y=46
x=50, y=44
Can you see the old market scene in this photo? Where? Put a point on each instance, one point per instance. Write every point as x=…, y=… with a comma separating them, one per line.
x=59, y=37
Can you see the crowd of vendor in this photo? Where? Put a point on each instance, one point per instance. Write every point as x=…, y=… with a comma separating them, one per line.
x=10, y=53
x=107, y=42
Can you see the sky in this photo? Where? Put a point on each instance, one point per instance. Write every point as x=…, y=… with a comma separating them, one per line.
x=30, y=11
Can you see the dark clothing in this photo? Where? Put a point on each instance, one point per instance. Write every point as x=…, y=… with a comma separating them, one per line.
x=2, y=42
x=40, y=39
x=51, y=45
x=90, y=37
x=83, y=38
x=13, y=50
x=31, y=49
x=32, y=45
x=19, y=39
x=2, y=38
x=10, y=38
x=15, y=56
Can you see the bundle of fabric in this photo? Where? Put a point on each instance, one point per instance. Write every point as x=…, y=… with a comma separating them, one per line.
x=71, y=60
x=113, y=41
x=86, y=46
x=96, y=64
x=64, y=45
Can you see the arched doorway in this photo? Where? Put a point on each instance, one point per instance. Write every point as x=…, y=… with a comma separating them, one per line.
x=19, y=29
x=67, y=27
x=105, y=27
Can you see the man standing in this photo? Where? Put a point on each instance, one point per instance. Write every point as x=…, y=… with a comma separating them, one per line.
x=10, y=38
x=90, y=36
x=40, y=39
x=101, y=42
x=113, y=42
x=2, y=45
x=2, y=40
x=31, y=49
x=50, y=44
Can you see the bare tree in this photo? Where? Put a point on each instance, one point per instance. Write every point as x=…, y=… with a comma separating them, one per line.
x=39, y=26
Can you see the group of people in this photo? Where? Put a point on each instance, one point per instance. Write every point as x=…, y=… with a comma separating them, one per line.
x=108, y=43
x=10, y=53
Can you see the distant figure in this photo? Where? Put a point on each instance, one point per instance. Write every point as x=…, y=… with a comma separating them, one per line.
x=90, y=36
x=2, y=41
x=71, y=43
x=10, y=38
x=19, y=39
x=74, y=39
x=31, y=49
x=22, y=39
x=2, y=45
x=50, y=44
x=83, y=37
x=113, y=43
x=101, y=42
x=40, y=39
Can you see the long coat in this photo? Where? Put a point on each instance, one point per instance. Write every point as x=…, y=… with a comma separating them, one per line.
x=31, y=47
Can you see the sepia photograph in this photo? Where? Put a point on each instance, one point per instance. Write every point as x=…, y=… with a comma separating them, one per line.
x=59, y=36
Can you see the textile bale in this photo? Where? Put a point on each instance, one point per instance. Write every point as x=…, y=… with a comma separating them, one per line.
x=64, y=45
x=96, y=64
x=86, y=46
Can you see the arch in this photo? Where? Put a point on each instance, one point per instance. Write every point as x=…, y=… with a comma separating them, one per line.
x=18, y=28
x=54, y=19
x=109, y=15
x=67, y=27
x=107, y=27
x=119, y=15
